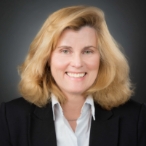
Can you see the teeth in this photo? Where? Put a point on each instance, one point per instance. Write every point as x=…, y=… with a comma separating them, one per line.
x=76, y=75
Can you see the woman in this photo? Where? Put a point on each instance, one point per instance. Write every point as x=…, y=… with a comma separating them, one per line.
x=76, y=88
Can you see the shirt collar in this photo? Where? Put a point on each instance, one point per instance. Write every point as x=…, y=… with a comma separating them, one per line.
x=89, y=100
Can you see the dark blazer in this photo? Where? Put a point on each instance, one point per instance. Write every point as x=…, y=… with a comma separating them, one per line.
x=24, y=124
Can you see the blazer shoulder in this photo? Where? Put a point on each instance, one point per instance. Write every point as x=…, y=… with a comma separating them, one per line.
x=17, y=106
x=131, y=104
x=131, y=107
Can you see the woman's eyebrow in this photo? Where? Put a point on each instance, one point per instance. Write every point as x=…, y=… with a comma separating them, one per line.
x=67, y=47
x=87, y=47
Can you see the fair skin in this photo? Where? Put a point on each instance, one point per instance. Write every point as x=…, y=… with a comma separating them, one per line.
x=74, y=66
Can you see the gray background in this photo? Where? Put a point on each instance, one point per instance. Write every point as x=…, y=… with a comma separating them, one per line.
x=20, y=20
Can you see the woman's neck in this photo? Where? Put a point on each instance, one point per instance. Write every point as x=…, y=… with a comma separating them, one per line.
x=73, y=104
x=72, y=109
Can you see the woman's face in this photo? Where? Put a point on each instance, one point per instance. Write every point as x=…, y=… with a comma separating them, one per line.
x=75, y=61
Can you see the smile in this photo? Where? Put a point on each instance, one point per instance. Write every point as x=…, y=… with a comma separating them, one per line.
x=76, y=75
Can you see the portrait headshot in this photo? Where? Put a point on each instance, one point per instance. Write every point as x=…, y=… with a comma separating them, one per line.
x=79, y=77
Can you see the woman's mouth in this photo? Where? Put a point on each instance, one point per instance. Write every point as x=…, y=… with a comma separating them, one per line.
x=76, y=75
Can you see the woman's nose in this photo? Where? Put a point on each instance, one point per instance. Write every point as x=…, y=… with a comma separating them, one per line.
x=77, y=61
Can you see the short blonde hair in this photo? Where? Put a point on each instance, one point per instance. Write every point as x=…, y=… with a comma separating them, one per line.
x=112, y=87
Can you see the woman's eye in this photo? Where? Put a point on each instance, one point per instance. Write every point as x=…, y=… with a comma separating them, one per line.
x=65, y=51
x=88, y=52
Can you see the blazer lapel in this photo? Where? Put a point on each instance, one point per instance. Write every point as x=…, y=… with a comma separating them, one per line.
x=104, y=130
x=41, y=127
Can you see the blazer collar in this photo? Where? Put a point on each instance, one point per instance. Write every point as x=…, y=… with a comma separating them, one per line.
x=44, y=113
x=41, y=127
x=104, y=130
x=102, y=114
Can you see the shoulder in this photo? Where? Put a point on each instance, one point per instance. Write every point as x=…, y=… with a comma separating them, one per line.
x=17, y=107
x=130, y=109
x=129, y=106
x=132, y=120
x=13, y=119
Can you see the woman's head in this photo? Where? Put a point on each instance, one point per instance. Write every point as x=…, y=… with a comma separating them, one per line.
x=112, y=85
x=75, y=61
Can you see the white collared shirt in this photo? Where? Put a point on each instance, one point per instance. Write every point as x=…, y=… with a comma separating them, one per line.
x=64, y=134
